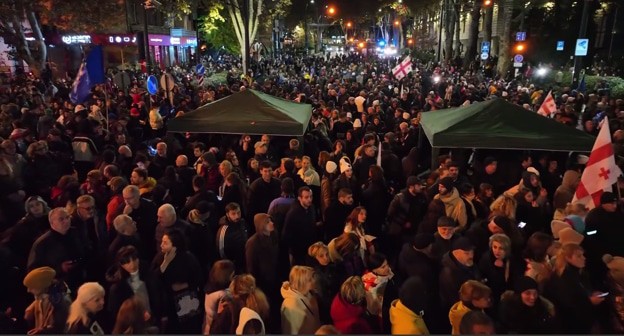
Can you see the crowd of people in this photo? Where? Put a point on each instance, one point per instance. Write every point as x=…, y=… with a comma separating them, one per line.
x=111, y=224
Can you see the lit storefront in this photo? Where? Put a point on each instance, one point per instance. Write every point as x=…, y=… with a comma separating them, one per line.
x=168, y=50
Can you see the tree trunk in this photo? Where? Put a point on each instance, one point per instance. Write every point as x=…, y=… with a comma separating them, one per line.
x=457, y=29
x=504, y=38
x=473, y=33
x=238, y=22
x=487, y=24
x=34, y=53
x=449, y=30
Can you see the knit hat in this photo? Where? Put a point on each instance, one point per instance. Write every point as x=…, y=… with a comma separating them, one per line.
x=331, y=167
x=357, y=123
x=525, y=283
x=134, y=112
x=533, y=170
x=413, y=180
x=40, y=278
x=556, y=226
x=245, y=316
x=413, y=295
x=503, y=223
x=463, y=244
x=344, y=165
x=447, y=182
x=422, y=240
x=569, y=236
x=576, y=222
x=38, y=199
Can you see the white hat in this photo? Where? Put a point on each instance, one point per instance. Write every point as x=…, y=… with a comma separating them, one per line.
x=344, y=165
x=245, y=316
x=357, y=123
x=331, y=167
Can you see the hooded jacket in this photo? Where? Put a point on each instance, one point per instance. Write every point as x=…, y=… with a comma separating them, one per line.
x=406, y=322
x=147, y=186
x=452, y=276
x=349, y=318
x=454, y=207
x=565, y=192
x=300, y=313
x=456, y=314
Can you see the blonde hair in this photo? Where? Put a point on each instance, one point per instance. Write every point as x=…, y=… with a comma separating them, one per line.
x=300, y=277
x=315, y=248
x=576, y=208
x=473, y=290
x=566, y=251
x=84, y=199
x=352, y=291
x=504, y=240
x=504, y=206
x=77, y=312
x=243, y=287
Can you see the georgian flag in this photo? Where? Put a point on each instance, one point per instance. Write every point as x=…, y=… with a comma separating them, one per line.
x=403, y=68
x=548, y=107
x=600, y=173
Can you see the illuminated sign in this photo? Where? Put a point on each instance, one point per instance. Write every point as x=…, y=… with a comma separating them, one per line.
x=117, y=39
x=76, y=39
x=174, y=40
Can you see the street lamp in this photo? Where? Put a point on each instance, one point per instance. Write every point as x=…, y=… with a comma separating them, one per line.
x=487, y=3
x=396, y=22
x=331, y=10
x=349, y=24
x=519, y=47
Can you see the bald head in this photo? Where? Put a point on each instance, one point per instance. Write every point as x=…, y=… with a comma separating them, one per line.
x=166, y=215
x=181, y=161
x=125, y=151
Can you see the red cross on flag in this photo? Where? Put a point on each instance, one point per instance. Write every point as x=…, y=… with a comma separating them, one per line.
x=601, y=171
x=403, y=68
x=548, y=106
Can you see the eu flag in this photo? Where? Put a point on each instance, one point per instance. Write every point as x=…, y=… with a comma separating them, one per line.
x=582, y=87
x=91, y=72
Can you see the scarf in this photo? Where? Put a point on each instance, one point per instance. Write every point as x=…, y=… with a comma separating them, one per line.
x=168, y=257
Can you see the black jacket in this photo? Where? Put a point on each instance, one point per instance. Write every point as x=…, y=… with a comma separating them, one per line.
x=120, y=290
x=300, y=231
x=452, y=276
x=335, y=216
x=518, y=318
x=261, y=253
x=570, y=293
x=261, y=194
x=230, y=241
x=146, y=220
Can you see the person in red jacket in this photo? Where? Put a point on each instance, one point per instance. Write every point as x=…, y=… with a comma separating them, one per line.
x=351, y=310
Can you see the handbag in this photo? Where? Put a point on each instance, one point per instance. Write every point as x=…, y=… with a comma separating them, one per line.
x=187, y=303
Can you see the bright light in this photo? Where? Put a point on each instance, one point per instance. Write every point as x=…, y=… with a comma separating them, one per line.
x=390, y=51
x=436, y=79
x=541, y=72
x=351, y=39
x=349, y=24
x=520, y=47
x=361, y=44
x=382, y=43
x=331, y=10
x=312, y=1
x=379, y=10
x=410, y=41
x=487, y=2
x=396, y=23
x=378, y=49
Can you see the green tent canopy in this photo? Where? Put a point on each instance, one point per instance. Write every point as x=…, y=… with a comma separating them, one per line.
x=246, y=112
x=498, y=124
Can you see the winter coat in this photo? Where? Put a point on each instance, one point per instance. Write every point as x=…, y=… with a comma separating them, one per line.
x=405, y=212
x=351, y=319
x=147, y=186
x=261, y=194
x=300, y=231
x=518, y=318
x=452, y=276
x=570, y=292
x=456, y=314
x=565, y=192
x=406, y=322
x=261, y=255
x=300, y=313
x=454, y=207
x=230, y=241
x=335, y=216
x=500, y=279
x=121, y=290
x=376, y=199
x=417, y=263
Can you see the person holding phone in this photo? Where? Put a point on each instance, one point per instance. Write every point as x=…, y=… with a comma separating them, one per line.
x=571, y=291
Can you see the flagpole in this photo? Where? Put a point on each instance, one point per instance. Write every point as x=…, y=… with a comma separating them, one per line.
x=106, y=109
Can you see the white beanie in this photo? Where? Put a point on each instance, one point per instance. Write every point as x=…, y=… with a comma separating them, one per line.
x=245, y=316
x=331, y=167
x=344, y=165
x=533, y=170
x=357, y=123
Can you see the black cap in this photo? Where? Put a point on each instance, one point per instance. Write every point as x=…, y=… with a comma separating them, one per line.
x=608, y=197
x=422, y=240
x=463, y=244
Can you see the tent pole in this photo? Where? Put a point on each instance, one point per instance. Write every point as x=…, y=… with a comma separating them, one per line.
x=435, y=153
